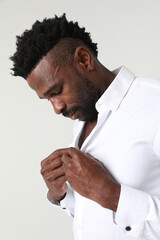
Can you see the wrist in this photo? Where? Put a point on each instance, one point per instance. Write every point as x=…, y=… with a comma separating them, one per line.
x=110, y=197
x=57, y=198
x=114, y=197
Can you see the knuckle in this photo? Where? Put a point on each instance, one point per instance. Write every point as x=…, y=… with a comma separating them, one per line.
x=57, y=151
x=42, y=163
x=71, y=148
x=68, y=174
x=70, y=164
x=76, y=156
x=46, y=178
x=57, y=160
x=41, y=171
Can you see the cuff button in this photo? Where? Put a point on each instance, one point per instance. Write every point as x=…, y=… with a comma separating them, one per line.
x=128, y=228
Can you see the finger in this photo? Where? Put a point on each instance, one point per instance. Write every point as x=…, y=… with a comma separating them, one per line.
x=52, y=176
x=52, y=179
x=71, y=166
x=52, y=165
x=50, y=158
x=69, y=151
x=59, y=182
x=66, y=159
x=61, y=185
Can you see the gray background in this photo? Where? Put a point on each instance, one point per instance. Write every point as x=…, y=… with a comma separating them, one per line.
x=127, y=32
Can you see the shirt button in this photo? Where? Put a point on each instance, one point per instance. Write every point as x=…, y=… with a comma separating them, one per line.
x=128, y=228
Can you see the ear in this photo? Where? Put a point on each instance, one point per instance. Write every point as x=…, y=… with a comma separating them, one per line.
x=84, y=58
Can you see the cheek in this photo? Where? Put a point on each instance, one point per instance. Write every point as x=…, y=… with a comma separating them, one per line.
x=70, y=95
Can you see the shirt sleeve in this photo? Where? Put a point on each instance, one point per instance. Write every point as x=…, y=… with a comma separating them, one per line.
x=138, y=214
x=67, y=204
x=156, y=144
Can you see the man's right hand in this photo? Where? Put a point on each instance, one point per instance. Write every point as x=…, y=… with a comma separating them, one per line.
x=54, y=176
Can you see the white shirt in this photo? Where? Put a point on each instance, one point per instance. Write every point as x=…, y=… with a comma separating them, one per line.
x=127, y=140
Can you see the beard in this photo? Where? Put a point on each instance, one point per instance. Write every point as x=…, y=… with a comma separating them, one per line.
x=87, y=96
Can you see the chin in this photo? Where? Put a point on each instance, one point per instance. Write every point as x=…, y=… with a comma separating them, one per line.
x=88, y=116
x=83, y=119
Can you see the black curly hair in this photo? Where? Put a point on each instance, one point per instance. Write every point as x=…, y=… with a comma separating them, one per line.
x=34, y=44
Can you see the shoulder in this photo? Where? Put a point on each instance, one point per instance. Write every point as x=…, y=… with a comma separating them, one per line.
x=146, y=82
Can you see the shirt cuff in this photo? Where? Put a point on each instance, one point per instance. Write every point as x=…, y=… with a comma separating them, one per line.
x=132, y=211
x=67, y=203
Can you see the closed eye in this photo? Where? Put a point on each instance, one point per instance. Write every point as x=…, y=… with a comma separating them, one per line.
x=52, y=92
x=55, y=92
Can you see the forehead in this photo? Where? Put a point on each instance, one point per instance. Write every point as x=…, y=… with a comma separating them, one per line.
x=43, y=76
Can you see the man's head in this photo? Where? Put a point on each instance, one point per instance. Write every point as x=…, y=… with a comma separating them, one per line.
x=56, y=57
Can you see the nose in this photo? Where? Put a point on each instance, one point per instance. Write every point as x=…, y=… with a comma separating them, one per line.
x=57, y=104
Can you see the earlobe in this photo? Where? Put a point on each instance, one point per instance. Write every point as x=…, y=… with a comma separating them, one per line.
x=84, y=58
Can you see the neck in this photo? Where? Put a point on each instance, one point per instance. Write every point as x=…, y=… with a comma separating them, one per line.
x=106, y=78
x=102, y=77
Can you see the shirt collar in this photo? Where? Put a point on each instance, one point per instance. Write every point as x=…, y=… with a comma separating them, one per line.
x=113, y=96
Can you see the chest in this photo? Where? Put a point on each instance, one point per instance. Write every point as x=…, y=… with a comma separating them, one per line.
x=125, y=147
x=87, y=129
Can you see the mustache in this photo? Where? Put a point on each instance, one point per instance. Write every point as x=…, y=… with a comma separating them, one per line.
x=66, y=112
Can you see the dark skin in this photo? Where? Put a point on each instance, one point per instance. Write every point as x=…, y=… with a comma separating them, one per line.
x=85, y=174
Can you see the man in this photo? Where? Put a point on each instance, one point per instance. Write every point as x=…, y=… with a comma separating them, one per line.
x=109, y=180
